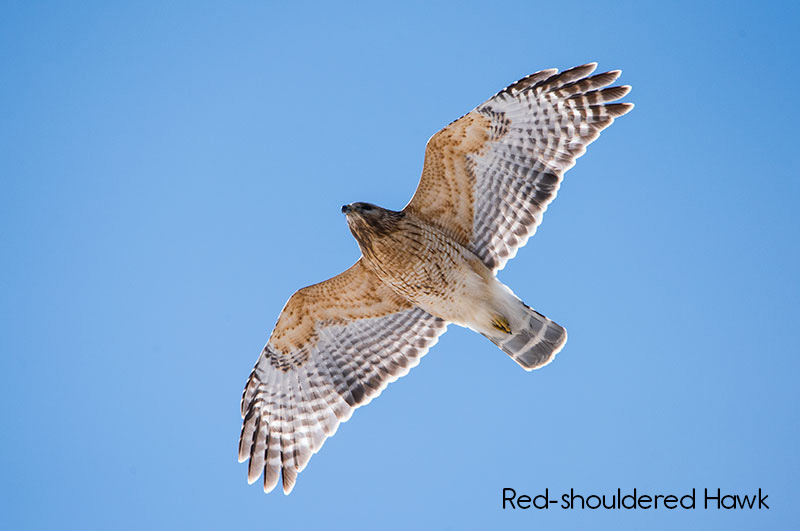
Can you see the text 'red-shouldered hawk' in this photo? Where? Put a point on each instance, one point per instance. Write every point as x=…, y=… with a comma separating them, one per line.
x=487, y=180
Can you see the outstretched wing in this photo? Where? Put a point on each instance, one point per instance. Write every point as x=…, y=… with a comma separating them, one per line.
x=336, y=345
x=490, y=175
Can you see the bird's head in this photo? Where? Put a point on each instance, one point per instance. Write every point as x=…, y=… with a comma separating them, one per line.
x=361, y=209
x=367, y=220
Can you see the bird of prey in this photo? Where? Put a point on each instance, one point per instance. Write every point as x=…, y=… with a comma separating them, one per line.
x=487, y=179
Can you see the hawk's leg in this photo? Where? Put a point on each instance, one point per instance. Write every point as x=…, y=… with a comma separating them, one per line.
x=501, y=323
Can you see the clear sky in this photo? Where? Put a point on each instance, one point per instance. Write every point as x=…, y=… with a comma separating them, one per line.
x=173, y=171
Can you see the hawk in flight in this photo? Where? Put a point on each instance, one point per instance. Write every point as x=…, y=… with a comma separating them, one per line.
x=487, y=180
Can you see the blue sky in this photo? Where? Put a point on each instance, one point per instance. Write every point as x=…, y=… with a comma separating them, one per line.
x=172, y=172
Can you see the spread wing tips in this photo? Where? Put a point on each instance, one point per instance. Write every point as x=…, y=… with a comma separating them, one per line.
x=605, y=95
x=289, y=478
x=604, y=79
x=568, y=76
x=253, y=445
x=528, y=81
x=619, y=109
x=579, y=71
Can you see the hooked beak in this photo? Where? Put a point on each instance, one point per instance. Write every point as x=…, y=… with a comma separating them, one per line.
x=346, y=209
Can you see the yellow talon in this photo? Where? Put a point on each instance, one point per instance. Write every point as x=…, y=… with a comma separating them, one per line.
x=501, y=323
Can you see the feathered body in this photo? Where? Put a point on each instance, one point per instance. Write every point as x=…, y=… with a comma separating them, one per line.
x=430, y=269
x=420, y=262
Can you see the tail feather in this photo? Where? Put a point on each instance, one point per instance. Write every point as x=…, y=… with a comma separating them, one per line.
x=534, y=345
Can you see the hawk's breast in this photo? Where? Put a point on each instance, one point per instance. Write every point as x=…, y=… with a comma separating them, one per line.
x=428, y=268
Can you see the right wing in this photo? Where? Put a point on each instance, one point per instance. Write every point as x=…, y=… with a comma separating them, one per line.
x=336, y=346
x=489, y=176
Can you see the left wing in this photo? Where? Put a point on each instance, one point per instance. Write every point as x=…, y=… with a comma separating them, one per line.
x=336, y=346
x=490, y=175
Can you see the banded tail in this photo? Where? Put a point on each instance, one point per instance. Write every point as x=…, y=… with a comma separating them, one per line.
x=535, y=341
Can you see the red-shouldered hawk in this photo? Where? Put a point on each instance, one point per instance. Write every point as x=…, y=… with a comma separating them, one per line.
x=487, y=180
